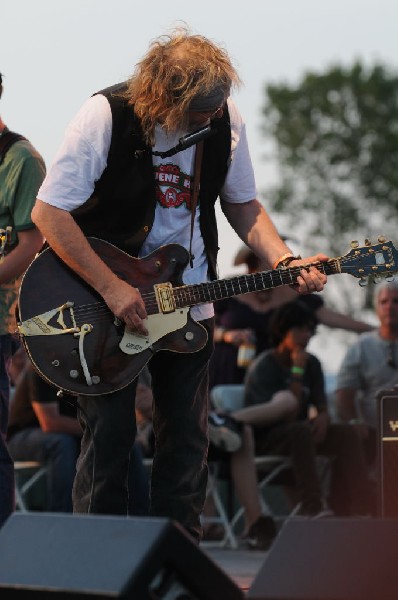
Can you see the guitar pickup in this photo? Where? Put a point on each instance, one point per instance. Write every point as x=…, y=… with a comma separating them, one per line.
x=165, y=297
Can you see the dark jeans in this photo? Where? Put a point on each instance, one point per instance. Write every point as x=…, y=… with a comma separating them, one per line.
x=138, y=484
x=179, y=471
x=7, y=482
x=350, y=490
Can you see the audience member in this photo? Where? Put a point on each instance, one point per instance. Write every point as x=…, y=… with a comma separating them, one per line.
x=281, y=386
x=45, y=428
x=370, y=365
x=21, y=172
x=245, y=320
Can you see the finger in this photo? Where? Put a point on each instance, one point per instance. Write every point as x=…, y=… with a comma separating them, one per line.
x=305, y=282
x=141, y=312
x=318, y=278
x=135, y=324
x=313, y=278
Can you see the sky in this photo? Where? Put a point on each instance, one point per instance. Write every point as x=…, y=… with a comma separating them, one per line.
x=55, y=53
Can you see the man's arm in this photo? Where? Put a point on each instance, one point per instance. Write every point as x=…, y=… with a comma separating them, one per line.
x=345, y=404
x=337, y=320
x=254, y=226
x=51, y=420
x=17, y=261
x=68, y=241
x=346, y=408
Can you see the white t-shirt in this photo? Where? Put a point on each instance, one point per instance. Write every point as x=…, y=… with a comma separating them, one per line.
x=82, y=158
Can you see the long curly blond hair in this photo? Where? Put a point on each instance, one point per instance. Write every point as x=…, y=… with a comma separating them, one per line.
x=177, y=68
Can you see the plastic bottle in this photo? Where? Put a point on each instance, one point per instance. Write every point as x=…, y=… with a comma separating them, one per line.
x=246, y=353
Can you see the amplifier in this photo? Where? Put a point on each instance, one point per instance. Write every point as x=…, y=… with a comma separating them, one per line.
x=388, y=452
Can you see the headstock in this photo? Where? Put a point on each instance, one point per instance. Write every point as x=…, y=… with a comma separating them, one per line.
x=371, y=261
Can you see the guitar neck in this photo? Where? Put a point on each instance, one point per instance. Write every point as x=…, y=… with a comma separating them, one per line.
x=191, y=295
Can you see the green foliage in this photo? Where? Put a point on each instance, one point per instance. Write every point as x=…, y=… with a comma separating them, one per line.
x=336, y=135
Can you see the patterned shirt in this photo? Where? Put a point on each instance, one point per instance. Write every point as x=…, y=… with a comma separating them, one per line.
x=21, y=175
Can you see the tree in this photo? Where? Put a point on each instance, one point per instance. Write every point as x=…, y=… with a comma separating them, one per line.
x=336, y=138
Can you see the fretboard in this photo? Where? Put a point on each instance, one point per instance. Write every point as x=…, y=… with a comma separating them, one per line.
x=190, y=295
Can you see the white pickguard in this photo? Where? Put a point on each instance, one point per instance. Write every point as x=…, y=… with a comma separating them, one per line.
x=158, y=325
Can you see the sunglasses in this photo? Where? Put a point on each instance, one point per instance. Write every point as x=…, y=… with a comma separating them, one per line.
x=209, y=113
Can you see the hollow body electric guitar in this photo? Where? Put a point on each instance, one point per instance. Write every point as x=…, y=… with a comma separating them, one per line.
x=77, y=344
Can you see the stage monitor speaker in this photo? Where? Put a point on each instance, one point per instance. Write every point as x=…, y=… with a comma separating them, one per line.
x=388, y=452
x=330, y=559
x=81, y=556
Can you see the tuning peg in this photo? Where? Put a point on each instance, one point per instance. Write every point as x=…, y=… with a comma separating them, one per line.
x=377, y=279
x=381, y=239
x=354, y=244
x=363, y=281
x=368, y=242
x=390, y=277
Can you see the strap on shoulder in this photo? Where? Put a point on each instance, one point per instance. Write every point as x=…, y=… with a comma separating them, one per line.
x=7, y=140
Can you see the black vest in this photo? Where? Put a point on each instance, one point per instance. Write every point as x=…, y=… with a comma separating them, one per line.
x=121, y=210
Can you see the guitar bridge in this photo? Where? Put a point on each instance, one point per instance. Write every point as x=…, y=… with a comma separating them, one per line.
x=165, y=297
x=40, y=324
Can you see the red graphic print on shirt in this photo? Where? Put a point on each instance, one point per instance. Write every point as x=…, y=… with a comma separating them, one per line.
x=173, y=186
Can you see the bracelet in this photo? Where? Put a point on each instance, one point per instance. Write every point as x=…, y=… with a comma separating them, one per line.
x=282, y=258
x=297, y=370
x=285, y=260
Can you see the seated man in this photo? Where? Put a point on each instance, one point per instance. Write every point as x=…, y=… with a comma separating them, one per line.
x=45, y=428
x=281, y=386
x=370, y=365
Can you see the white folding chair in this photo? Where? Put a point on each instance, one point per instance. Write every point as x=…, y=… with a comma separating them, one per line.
x=221, y=516
x=27, y=474
x=227, y=398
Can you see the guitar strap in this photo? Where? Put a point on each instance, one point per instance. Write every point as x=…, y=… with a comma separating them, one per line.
x=195, y=193
x=7, y=139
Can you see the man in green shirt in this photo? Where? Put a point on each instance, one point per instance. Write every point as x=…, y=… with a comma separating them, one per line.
x=22, y=170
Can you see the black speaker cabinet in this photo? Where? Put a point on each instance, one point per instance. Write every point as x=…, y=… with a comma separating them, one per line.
x=330, y=559
x=83, y=556
x=388, y=452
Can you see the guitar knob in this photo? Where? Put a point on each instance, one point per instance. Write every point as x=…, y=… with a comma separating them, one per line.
x=377, y=279
x=381, y=239
x=354, y=244
x=363, y=281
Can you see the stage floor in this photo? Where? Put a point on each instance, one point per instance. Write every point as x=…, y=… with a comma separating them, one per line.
x=240, y=565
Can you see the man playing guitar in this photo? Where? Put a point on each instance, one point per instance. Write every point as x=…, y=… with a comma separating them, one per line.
x=116, y=178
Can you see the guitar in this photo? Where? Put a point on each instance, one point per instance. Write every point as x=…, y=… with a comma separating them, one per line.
x=75, y=342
